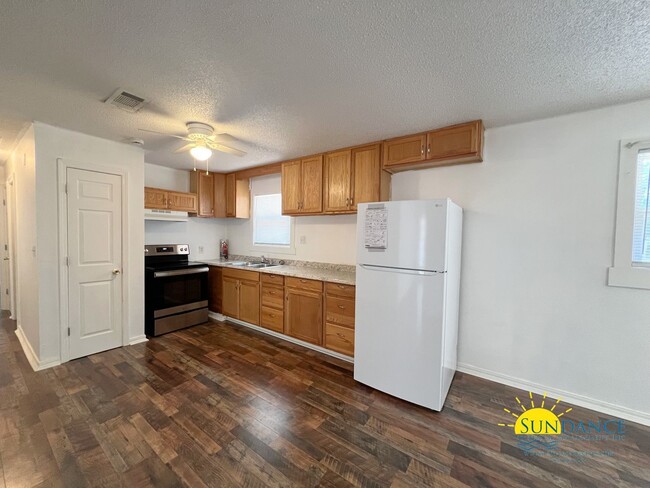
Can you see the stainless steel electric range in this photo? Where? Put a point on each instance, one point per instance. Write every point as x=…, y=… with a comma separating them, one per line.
x=176, y=290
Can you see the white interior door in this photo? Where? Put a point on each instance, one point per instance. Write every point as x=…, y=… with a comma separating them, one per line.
x=94, y=261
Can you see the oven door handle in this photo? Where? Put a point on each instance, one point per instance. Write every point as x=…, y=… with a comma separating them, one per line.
x=179, y=272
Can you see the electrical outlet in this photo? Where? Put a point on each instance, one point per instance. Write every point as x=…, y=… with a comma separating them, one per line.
x=303, y=239
x=200, y=249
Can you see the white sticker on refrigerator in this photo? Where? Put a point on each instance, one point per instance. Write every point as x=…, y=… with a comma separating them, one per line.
x=376, y=227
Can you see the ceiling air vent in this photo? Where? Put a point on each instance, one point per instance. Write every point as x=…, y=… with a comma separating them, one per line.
x=126, y=101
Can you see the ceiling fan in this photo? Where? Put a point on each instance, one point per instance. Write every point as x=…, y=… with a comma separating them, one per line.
x=202, y=140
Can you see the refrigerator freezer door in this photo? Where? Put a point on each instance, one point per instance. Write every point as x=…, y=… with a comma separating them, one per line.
x=399, y=333
x=414, y=237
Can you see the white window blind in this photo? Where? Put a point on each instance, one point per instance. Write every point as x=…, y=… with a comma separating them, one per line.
x=641, y=235
x=270, y=227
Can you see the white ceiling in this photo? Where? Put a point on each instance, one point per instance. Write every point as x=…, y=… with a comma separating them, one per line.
x=291, y=78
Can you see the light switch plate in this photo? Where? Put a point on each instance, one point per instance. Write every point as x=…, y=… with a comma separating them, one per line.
x=303, y=239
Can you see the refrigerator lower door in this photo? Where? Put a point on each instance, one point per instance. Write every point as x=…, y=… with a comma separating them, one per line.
x=399, y=333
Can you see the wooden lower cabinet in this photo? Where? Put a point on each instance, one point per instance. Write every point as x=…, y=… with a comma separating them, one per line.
x=321, y=313
x=230, y=304
x=249, y=302
x=303, y=311
x=215, y=278
x=339, y=318
x=241, y=295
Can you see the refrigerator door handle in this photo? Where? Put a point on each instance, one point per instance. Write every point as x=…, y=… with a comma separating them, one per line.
x=388, y=269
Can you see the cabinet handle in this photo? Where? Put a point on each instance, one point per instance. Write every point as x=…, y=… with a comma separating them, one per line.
x=342, y=307
x=428, y=148
x=347, y=202
x=271, y=293
x=422, y=149
x=272, y=315
x=351, y=200
x=303, y=281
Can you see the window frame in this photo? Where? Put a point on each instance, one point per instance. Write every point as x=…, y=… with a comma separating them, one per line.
x=267, y=250
x=624, y=273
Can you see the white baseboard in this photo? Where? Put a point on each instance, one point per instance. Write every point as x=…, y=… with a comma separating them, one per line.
x=580, y=400
x=32, y=357
x=137, y=339
x=334, y=354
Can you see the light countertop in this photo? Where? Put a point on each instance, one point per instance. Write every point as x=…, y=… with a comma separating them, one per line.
x=307, y=272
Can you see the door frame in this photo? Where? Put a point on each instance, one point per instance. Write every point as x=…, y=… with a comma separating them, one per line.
x=12, y=237
x=62, y=168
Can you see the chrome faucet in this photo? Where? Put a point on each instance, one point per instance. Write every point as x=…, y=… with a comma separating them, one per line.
x=265, y=260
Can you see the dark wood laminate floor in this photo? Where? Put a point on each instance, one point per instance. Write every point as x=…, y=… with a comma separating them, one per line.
x=218, y=405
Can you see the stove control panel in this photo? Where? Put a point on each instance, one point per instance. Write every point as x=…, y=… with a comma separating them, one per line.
x=167, y=250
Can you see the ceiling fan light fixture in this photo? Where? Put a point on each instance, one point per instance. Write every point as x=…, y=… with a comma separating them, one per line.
x=201, y=153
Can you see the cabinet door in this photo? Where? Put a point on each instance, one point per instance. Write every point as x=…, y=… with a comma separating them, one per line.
x=291, y=187
x=249, y=302
x=460, y=141
x=404, y=150
x=230, y=297
x=216, y=289
x=219, y=195
x=183, y=202
x=203, y=185
x=231, y=194
x=303, y=315
x=155, y=198
x=312, y=185
x=366, y=170
x=337, y=167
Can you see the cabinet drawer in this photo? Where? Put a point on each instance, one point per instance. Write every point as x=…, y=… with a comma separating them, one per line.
x=272, y=279
x=272, y=319
x=340, y=290
x=241, y=274
x=340, y=311
x=304, y=284
x=272, y=296
x=339, y=339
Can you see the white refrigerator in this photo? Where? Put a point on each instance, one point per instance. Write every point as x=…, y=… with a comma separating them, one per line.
x=407, y=289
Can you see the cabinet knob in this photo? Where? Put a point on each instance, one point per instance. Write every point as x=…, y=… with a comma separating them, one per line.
x=429, y=149
x=422, y=150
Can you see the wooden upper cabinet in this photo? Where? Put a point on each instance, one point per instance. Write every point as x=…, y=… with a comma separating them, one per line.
x=184, y=202
x=238, y=197
x=455, y=144
x=231, y=194
x=291, y=187
x=219, y=195
x=337, y=169
x=403, y=150
x=312, y=185
x=369, y=183
x=155, y=198
x=302, y=186
x=203, y=185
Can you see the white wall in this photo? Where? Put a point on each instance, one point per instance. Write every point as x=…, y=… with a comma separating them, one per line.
x=538, y=239
x=53, y=143
x=21, y=166
x=197, y=232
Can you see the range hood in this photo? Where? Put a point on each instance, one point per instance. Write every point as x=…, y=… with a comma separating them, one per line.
x=165, y=215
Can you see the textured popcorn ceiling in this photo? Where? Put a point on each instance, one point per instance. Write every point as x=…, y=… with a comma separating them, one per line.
x=291, y=78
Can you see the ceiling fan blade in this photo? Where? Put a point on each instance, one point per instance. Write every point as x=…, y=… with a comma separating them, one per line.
x=226, y=149
x=223, y=137
x=186, y=147
x=164, y=134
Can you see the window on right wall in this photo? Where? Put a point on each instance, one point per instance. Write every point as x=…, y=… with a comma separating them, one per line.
x=632, y=244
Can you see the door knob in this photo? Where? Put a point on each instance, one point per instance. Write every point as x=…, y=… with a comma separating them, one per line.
x=116, y=271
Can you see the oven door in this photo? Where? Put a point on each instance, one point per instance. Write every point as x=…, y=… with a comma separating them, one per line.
x=175, y=298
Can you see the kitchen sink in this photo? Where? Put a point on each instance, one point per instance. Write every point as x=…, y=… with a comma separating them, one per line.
x=245, y=264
